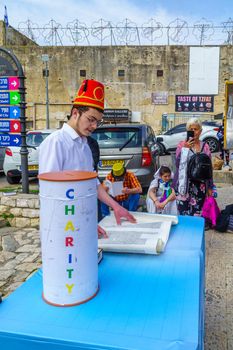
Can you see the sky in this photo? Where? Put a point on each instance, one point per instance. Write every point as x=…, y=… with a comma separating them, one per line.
x=64, y=11
x=140, y=12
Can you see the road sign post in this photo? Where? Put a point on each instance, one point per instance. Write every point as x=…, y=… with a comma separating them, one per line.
x=12, y=92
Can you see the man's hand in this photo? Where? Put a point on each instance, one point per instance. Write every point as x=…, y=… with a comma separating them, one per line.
x=102, y=233
x=126, y=190
x=121, y=212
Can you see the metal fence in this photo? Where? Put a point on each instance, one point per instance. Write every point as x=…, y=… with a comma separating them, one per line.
x=172, y=119
x=102, y=32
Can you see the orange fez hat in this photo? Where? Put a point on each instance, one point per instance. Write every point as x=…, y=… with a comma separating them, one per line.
x=90, y=94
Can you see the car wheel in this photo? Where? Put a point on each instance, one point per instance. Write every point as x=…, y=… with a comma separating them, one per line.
x=213, y=144
x=13, y=180
x=161, y=148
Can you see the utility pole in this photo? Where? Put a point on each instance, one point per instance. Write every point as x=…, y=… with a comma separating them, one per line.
x=45, y=59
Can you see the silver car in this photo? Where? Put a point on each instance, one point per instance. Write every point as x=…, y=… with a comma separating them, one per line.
x=169, y=140
x=132, y=144
x=12, y=161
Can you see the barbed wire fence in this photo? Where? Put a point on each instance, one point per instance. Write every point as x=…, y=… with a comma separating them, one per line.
x=102, y=32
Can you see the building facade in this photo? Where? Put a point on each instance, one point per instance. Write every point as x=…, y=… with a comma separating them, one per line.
x=143, y=79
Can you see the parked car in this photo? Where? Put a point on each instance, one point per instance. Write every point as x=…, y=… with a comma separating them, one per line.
x=12, y=161
x=132, y=144
x=169, y=140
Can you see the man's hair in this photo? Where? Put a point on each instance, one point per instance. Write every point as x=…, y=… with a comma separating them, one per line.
x=81, y=110
x=164, y=170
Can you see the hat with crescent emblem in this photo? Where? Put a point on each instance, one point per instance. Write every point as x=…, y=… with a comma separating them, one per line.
x=90, y=94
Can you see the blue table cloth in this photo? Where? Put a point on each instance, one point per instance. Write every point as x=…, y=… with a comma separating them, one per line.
x=144, y=302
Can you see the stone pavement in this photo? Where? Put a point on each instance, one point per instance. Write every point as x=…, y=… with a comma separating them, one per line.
x=20, y=257
x=219, y=283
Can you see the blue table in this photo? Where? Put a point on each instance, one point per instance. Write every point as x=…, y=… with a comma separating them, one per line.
x=145, y=302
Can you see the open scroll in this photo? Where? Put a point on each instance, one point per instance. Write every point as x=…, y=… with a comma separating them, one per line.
x=148, y=236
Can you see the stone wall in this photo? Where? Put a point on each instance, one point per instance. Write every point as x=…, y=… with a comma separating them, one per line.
x=20, y=210
x=132, y=91
x=11, y=36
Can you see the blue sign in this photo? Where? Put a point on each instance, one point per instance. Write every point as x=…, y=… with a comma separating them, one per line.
x=5, y=125
x=9, y=83
x=7, y=140
x=9, y=112
x=4, y=84
x=5, y=98
x=9, y=98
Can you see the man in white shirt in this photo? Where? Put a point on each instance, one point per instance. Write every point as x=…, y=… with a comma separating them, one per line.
x=67, y=148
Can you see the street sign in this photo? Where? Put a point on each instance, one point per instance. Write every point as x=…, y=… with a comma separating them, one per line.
x=7, y=140
x=12, y=93
x=10, y=126
x=9, y=112
x=9, y=83
x=9, y=98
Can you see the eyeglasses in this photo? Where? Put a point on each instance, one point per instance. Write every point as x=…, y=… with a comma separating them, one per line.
x=93, y=120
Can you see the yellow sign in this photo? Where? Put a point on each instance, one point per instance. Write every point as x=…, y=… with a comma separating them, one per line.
x=110, y=162
x=33, y=167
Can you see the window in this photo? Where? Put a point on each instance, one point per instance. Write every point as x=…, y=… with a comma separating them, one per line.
x=34, y=139
x=150, y=135
x=177, y=129
x=159, y=73
x=83, y=73
x=116, y=138
x=121, y=73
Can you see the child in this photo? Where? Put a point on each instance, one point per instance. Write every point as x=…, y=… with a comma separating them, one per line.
x=161, y=197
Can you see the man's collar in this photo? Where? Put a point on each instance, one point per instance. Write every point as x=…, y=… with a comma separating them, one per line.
x=73, y=134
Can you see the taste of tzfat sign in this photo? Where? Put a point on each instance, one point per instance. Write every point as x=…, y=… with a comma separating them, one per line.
x=194, y=103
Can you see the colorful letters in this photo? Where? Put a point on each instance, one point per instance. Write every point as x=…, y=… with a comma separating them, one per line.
x=69, y=209
x=69, y=287
x=69, y=242
x=69, y=239
x=69, y=226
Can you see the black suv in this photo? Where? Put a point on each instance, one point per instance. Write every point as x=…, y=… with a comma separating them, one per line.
x=132, y=144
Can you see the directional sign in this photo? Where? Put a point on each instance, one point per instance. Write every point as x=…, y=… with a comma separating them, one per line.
x=9, y=83
x=10, y=126
x=9, y=98
x=10, y=140
x=9, y=112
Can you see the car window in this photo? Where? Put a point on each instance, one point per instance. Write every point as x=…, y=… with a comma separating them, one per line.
x=118, y=137
x=150, y=135
x=35, y=139
x=176, y=129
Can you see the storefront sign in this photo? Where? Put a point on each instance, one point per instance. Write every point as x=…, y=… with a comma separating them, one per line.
x=194, y=103
x=159, y=98
x=116, y=114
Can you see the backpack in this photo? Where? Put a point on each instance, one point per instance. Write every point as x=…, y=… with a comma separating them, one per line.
x=224, y=218
x=200, y=167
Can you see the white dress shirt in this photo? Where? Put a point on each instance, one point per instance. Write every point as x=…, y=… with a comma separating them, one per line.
x=64, y=149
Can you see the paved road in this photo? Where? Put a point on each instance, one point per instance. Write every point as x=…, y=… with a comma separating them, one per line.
x=3, y=182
